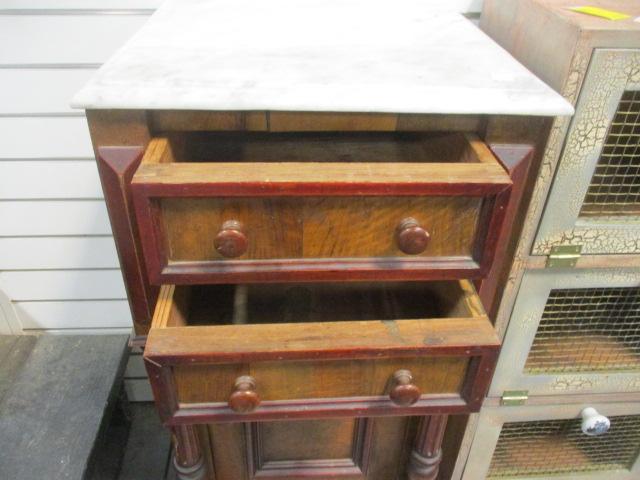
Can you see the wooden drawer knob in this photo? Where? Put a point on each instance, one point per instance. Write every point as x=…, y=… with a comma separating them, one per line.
x=231, y=241
x=403, y=391
x=412, y=239
x=244, y=397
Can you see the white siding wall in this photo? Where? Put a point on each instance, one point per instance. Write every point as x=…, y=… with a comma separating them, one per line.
x=58, y=266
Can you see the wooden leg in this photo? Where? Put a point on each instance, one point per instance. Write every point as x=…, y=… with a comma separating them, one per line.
x=427, y=452
x=188, y=459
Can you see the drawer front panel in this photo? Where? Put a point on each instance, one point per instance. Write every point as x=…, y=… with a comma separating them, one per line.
x=280, y=228
x=263, y=352
x=378, y=211
x=307, y=380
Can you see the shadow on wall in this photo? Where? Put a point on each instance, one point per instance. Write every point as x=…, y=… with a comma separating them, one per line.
x=8, y=319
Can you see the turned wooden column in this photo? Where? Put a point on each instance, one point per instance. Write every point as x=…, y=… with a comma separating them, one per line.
x=427, y=452
x=188, y=459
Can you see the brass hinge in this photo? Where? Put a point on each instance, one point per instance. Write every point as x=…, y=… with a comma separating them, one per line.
x=563, y=256
x=512, y=398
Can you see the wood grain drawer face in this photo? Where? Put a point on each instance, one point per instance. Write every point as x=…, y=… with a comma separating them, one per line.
x=338, y=217
x=319, y=349
x=325, y=379
x=311, y=227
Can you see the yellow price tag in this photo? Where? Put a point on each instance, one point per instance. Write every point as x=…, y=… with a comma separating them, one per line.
x=601, y=12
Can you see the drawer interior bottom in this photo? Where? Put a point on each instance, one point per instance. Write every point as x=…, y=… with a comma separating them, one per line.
x=321, y=302
x=432, y=147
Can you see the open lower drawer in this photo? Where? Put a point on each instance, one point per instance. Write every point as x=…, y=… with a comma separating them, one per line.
x=217, y=208
x=255, y=352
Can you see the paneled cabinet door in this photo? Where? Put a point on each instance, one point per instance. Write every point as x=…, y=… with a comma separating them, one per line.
x=548, y=442
x=341, y=448
x=595, y=198
x=573, y=331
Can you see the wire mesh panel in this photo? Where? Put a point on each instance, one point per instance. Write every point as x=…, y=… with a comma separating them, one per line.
x=615, y=185
x=587, y=329
x=559, y=446
x=594, y=198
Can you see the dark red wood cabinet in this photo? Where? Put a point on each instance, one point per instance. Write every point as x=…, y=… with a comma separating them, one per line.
x=307, y=298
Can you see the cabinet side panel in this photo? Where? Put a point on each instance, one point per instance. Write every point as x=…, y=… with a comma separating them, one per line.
x=517, y=25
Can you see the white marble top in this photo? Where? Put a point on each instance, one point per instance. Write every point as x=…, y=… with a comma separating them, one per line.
x=316, y=55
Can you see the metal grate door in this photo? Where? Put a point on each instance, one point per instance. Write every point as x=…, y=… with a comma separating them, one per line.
x=572, y=332
x=615, y=185
x=587, y=330
x=594, y=201
x=551, y=447
x=546, y=442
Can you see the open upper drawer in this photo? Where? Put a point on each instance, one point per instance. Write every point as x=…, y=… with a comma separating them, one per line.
x=250, y=207
x=265, y=351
